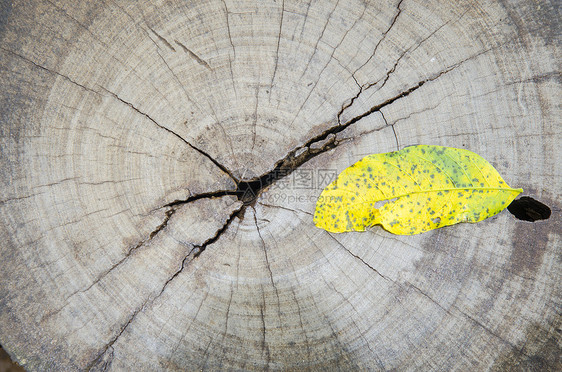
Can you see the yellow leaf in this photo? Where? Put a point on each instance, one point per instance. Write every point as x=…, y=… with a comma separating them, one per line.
x=424, y=187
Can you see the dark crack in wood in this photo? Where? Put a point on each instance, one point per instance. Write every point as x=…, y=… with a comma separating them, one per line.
x=204, y=195
x=468, y=317
x=285, y=208
x=264, y=345
x=197, y=250
x=398, y=12
x=315, y=49
x=357, y=257
x=53, y=72
x=393, y=129
x=252, y=188
x=429, y=298
x=205, y=154
x=172, y=208
x=278, y=43
x=268, y=267
x=193, y=253
x=99, y=359
x=410, y=50
x=168, y=215
x=198, y=59
x=162, y=39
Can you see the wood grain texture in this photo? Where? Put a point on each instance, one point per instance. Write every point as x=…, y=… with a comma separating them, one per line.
x=128, y=126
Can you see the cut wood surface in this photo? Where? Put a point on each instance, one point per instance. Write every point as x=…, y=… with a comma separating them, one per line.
x=156, y=201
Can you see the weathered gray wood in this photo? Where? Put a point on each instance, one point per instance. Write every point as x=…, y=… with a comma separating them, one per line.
x=126, y=127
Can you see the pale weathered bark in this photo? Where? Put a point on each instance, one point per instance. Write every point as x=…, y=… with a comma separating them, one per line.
x=127, y=127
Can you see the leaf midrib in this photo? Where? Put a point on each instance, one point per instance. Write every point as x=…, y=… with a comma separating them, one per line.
x=454, y=189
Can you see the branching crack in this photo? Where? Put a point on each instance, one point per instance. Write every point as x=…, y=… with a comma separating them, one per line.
x=172, y=208
x=366, y=86
x=407, y=51
x=350, y=103
x=193, y=253
x=315, y=49
x=238, y=213
x=197, y=250
x=383, y=36
x=169, y=213
x=321, y=143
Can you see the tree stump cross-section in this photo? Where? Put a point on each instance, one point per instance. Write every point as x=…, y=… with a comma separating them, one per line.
x=161, y=162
